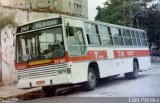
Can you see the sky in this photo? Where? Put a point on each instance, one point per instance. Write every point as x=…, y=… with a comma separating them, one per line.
x=92, y=12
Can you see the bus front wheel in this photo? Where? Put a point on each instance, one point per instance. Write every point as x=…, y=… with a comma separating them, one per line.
x=92, y=80
x=134, y=74
x=49, y=90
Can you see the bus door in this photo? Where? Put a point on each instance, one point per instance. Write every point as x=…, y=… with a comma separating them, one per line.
x=77, y=49
x=75, y=37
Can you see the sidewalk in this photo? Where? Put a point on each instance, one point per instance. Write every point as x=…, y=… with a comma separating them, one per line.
x=13, y=91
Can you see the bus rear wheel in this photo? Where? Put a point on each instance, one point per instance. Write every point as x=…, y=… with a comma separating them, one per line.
x=92, y=80
x=134, y=74
x=49, y=90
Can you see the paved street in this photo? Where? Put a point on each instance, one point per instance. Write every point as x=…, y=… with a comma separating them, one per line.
x=147, y=85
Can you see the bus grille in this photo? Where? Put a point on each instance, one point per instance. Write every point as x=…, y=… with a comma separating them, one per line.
x=44, y=71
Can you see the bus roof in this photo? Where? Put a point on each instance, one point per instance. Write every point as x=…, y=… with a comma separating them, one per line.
x=85, y=20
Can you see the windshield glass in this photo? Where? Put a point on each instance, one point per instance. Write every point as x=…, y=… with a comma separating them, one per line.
x=39, y=45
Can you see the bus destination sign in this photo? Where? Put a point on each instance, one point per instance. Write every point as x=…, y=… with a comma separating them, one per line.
x=39, y=24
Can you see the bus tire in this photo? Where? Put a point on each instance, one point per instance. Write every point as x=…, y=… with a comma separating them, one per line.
x=92, y=80
x=49, y=90
x=134, y=74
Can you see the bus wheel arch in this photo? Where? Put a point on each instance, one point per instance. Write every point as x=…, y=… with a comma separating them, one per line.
x=95, y=67
x=92, y=76
x=136, y=60
x=134, y=73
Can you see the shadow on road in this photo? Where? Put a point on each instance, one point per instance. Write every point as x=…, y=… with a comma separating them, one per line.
x=106, y=82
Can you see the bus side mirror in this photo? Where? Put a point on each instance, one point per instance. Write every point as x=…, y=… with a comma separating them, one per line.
x=70, y=30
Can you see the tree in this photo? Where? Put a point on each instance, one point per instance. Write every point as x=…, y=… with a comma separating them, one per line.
x=7, y=20
x=119, y=11
x=149, y=19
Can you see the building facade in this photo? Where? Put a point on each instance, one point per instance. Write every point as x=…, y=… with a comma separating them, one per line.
x=75, y=7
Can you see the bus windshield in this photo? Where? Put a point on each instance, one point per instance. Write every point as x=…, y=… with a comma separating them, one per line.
x=40, y=45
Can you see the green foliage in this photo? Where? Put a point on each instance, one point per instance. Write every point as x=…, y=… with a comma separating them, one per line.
x=119, y=11
x=7, y=19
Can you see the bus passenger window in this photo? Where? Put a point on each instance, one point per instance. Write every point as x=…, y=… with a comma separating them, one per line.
x=106, y=38
x=127, y=37
x=117, y=37
x=143, y=39
x=92, y=34
x=134, y=38
x=138, y=38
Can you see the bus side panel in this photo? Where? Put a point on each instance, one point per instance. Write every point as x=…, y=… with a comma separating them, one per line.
x=125, y=65
x=106, y=68
x=144, y=63
x=113, y=67
x=79, y=72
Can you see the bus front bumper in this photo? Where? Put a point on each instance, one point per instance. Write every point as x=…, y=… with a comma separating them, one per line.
x=45, y=81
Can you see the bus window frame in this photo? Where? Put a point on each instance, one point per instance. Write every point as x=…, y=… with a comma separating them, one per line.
x=127, y=37
x=120, y=33
x=66, y=41
x=105, y=34
x=97, y=35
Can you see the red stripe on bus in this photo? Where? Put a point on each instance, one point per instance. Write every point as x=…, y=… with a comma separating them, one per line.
x=91, y=55
x=130, y=53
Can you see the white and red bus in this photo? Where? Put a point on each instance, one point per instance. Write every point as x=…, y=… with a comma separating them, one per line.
x=69, y=50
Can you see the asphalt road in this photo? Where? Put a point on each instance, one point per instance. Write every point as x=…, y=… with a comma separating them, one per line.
x=115, y=90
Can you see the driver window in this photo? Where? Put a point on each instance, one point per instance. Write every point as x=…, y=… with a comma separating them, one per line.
x=51, y=43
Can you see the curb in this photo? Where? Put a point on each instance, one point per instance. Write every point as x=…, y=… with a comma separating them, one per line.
x=22, y=96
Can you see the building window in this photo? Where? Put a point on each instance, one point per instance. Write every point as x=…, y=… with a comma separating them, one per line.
x=74, y=4
x=55, y=3
x=15, y=5
x=29, y=5
x=70, y=4
x=80, y=6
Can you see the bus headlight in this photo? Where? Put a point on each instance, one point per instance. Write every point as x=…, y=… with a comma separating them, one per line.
x=24, y=76
x=62, y=71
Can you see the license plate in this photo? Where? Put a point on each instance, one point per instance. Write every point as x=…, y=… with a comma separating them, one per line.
x=40, y=82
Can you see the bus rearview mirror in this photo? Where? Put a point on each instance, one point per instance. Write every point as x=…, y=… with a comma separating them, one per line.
x=70, y=30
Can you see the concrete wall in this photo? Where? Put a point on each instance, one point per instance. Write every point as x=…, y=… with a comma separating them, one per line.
x=9, y=74
x=77, y=7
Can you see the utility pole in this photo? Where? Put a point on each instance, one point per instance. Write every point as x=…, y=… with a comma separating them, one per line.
x=130, y=13
x=0, y=54
x=124, y=14
x=0, y=60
